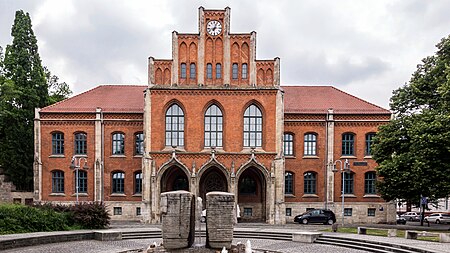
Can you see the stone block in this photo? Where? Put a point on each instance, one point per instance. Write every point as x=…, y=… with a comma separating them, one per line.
x=444, y=237
x=305, y=237
x=177, y=211
x=392, y=232
x=108, y=235
x=220, y=216
x=411, y=234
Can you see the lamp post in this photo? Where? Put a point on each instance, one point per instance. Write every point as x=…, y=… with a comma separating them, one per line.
x=75, y=164
x=344, y=167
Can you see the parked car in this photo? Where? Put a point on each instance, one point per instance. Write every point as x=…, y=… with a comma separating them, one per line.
x=324, y=216
x=401, y=220
x=411, y=216
x=438, y=218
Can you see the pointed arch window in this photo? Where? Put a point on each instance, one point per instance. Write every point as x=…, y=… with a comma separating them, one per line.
x=213, y=127
x=253, y=127
x=183, y=70
x=209, y=71
x=218, y=71
x=244, y=71
x=174, y=126
x=192, y=72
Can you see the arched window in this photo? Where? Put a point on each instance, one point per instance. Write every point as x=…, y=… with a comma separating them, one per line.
x=192, y=72
x=183, y=70
x=348, y=144
x=218, y=71
x=252, y=127
x=244, y=71
x=247, y=185
x=118, y=182
x=288, y=140
x=369, y=182
x=369, y=142
x=82, y=181
x=139, y=144
x=288, y=183
x=235, y=71
x=213, y=127
x=310, y=145
x=310, y=182
x=57, y=181
x=209, y=71
x=57, y=143
x=80, y=144
x=118, y=144
x=349, y=183
x=174, y=126
x=138, y=182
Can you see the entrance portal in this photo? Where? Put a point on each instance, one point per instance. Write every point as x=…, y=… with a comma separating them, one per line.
x=252, y=195
x=174, y=179
x=212, y=180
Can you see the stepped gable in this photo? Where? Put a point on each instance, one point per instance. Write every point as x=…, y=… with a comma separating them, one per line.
x=318, y=99
x=110, y=98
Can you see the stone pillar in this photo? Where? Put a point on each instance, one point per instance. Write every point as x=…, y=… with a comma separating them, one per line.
x=329, y=156
x=220, y=213
x=175, y=63
x=98, y=161
x=252, y=65
x=151, y=71
x=37, y=166
x=177, y=210
x=147, y=161
x=226, y=47
x=201, y=48
x=276, y=73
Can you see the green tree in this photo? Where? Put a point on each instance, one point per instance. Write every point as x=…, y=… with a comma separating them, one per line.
x=23, y=87
x=413, y=150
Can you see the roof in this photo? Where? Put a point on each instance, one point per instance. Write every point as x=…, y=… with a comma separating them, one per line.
x=318, y=99
x=297, y=99
x=110, y=98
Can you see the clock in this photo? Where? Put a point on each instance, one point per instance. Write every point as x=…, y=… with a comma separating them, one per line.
x=214, y=27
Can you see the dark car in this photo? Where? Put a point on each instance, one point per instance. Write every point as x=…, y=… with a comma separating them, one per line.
x=324, y=216
x=401, y=220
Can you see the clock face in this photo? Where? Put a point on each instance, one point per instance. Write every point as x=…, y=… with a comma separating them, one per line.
x=214, y=27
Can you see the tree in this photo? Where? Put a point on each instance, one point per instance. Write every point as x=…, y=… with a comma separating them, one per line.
x=23, y=87
x=413, y=150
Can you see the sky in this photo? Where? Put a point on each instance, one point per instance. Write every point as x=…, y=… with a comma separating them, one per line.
x=366, y=48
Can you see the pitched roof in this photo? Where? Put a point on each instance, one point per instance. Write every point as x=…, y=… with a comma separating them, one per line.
x=318, y=99
x=111, y=98
x=297, y=99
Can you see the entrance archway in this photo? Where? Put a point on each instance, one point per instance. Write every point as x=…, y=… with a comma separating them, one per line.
x=174, y=179
x=212, y=180
x=252, y=190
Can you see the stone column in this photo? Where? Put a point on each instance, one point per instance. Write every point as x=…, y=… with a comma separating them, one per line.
x=220, y=218
x=177, y=210
x=226, y=47
x=252, y=65
x=98, y=161
x=276, y=73
x=330, y=156
x=201, y=48
x=37, y=166
x=151, y=71
x=175, y=63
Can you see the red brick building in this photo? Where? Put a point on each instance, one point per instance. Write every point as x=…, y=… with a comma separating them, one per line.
x=212, y=118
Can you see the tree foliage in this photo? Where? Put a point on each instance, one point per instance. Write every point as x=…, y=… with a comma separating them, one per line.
x=24, y=86
x=413, y=150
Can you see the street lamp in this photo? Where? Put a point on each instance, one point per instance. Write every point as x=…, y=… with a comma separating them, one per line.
x=343, y=168
x=76, y=165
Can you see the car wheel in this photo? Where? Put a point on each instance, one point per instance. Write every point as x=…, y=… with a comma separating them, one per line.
x=305, y=221
x=330, y=222
x=438, y=222
x=411, y=219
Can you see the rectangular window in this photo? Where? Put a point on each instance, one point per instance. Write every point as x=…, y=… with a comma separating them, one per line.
x=58, y=144
x=348, y=147
x=244, y=71
x=138, y=183
x=248, y=211
x=192, y=74
x=183, y=70
x=118, y=144
x=57, y=181
x=117, y=210
x=371, y=212
x=209, y=71
x=310, y=145
x=288, y=211
x=235, y=71
x=138, y=211
x=348, y=211
x=288, y=144
x=139, y=144
x=80, y=144
x=369, y=142
x=218, y=71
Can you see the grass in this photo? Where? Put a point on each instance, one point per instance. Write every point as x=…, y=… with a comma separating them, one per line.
x=382, y=232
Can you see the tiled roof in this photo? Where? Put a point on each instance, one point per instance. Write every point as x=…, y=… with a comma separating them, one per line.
x=318, y=99
x=111, y=98
x=297, y=99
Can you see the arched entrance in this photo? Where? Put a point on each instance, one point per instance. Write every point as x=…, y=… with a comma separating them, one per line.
x=212, y=180
x=252, y=190
x=174, y=179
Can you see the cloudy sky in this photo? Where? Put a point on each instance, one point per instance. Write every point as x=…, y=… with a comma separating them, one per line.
x=366, y=48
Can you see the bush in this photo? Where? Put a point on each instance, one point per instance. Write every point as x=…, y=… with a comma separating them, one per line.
x=24, y=219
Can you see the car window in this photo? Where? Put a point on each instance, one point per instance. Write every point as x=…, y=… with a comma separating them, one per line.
x=445, y=215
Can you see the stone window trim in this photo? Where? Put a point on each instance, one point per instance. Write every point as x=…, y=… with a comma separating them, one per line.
x=118, y=156
x=57, y=194
x=371, y=196
x=80, y=194
x=56, y=156
x=348, y=157
x=118, y=195
x=310, y=196
x=289, y=196
x=348, y=195
x=310, y=157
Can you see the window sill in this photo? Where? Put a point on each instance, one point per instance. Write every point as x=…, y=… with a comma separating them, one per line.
x=348, y=157
x=81, y=155
x=371, y=196
x=249, y=150
x=310, y=196
x=289, y=195
x=137, y=156
x=209, y=149
x=80, y=194
x=170, y=148
x=368, y=157
x=56, y=156
x=310, y=157
x=289, y=157
x=118, y=195
x=118, y=156
x=137, y=195
x=349, y=195
x=57, y=194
